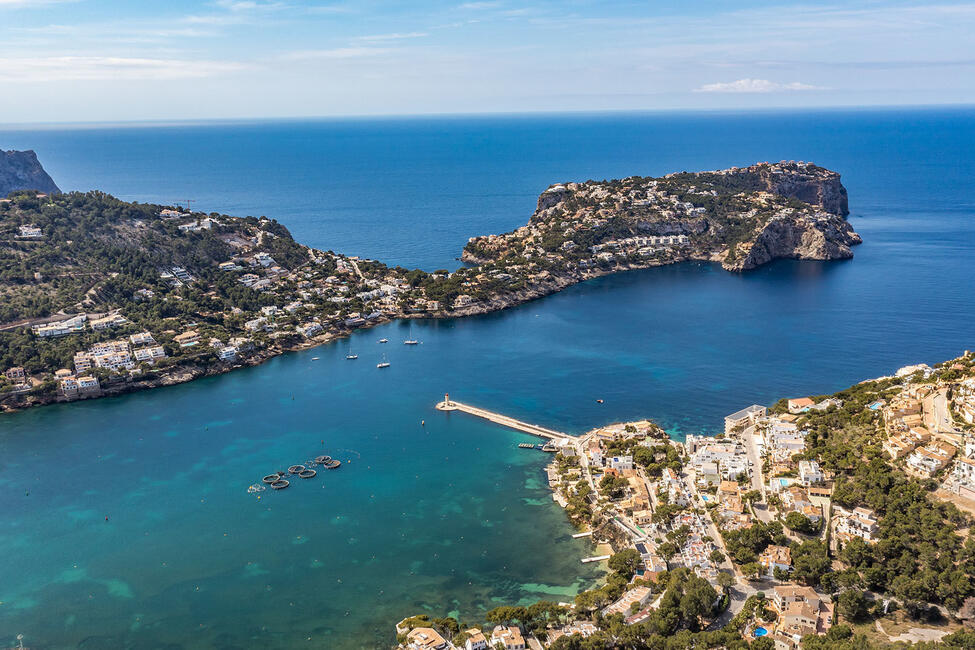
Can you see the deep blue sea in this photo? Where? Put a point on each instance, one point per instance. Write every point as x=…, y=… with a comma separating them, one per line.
x=450, y=516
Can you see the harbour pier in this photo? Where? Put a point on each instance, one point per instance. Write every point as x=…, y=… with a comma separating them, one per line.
x=450, y=405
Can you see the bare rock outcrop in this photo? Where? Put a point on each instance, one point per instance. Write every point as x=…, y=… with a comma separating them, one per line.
x=818, y=237
x=20, y=170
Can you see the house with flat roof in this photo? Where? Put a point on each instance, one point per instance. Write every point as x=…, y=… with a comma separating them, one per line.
x=107, y=322
x=744, y=417
x=150, y=354
x=142, y=338
x=810, y=473
x=187, y=339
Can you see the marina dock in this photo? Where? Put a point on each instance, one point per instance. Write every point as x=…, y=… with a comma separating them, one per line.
x=450, y=405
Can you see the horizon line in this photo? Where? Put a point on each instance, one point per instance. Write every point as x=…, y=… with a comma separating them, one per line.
x=201, y=121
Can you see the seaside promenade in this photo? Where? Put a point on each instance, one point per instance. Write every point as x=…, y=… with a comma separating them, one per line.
x=450, y=405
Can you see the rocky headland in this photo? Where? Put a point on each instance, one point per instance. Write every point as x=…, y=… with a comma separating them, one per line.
x=114, y=296
x=20, y=170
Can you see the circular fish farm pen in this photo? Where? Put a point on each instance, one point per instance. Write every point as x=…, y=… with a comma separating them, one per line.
x=271, y=478
x=280, y=484
x=321, y=460
x=331, y=464
x=307, y=473
x=296, y=469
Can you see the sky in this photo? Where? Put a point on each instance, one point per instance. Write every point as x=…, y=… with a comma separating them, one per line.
x=136, y=60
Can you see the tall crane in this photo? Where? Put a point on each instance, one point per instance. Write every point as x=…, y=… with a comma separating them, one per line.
x=189, y=204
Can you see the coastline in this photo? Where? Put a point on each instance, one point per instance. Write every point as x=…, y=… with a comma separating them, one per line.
x=803, y=502
x=182, y=374
x=297, y=297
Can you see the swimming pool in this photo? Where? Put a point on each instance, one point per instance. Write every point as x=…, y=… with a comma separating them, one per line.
x=759, y=631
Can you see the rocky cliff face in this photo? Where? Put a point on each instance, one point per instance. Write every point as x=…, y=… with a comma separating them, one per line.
x=20, y=170
x=820, y=236
x=809, y=183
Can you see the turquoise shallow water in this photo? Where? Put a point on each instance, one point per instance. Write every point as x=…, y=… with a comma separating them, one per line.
x=451, y=516
x=447, y=516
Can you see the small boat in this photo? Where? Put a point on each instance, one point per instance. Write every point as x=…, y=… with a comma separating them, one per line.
x=352, y=356
x=599, y=401
x=314, y=358
x=384, y=340
x=410, y=340
x=383, y=364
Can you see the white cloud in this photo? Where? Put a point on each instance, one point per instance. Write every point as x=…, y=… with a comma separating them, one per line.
x=393, y=37
x=479, y=5
x=335, y=53
x=236, y=12
x=108, y=68
x=754, y=86
x=247, y=5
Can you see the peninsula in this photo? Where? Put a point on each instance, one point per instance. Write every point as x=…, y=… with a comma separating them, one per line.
x=99, y=296
x=827, y=521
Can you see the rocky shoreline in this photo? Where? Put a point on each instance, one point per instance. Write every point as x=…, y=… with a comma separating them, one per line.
x=250, y=282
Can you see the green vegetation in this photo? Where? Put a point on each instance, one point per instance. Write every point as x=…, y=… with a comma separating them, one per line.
x=746, y=544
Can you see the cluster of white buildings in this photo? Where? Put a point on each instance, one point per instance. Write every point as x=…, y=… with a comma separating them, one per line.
x=176, y=276
x=72, y=325
x=716, y=459
x=781, y=439
x=964, y=400
x=961, y=480
x=643, y=245
x=77, y=324
x=502, y=636
x=121, y=354
x=197, y=225
x=696, y=552
x=71, y=387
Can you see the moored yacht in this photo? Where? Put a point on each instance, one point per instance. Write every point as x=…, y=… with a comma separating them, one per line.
x=409, y=339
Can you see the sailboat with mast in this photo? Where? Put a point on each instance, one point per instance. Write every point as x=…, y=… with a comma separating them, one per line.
x=384, y=363
x=351, y=355
x=409, y=339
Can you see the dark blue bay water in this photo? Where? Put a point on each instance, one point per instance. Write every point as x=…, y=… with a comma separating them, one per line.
x=450, y=516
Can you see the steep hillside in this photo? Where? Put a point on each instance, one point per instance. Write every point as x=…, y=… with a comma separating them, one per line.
x=20, y=170
x=741, y=217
